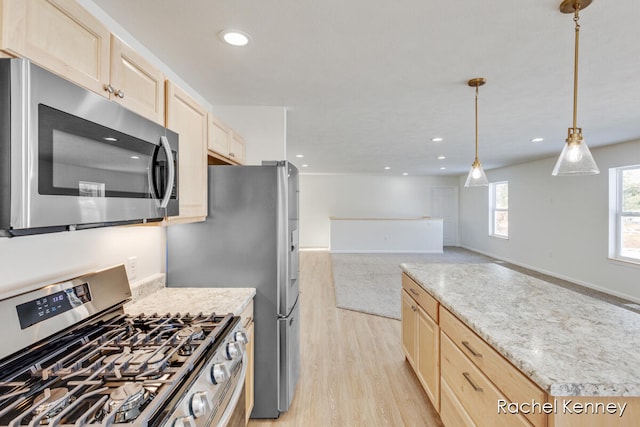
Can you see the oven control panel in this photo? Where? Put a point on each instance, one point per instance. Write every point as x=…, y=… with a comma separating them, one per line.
x=48, y=306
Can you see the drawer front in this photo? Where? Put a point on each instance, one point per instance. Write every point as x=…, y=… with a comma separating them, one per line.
x=511, y=382
x=422, y=297
x=478, y=395
x=452, y=413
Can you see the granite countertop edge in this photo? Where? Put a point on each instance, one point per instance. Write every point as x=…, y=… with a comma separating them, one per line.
x=554, y=387
x=153, y=296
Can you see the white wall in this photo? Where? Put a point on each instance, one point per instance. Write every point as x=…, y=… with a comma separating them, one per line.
x=557, y=225
x=42, y=259
x=263, y=128
x=322, y=196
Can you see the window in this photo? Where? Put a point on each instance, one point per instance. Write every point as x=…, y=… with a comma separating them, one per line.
x=624, y=236
x=499, y=209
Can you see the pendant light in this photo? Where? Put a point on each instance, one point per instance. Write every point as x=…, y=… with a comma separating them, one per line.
x=476, y=177
x=575, y=159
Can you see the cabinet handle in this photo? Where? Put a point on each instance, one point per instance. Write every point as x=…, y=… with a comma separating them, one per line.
x=470, y=381
x=413, y=307
x=231, y=155
x=413, y=291
x=471, y=350
x=108, y=88
x=120, y=93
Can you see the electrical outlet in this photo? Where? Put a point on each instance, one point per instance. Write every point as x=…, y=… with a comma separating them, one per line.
x=132, y=267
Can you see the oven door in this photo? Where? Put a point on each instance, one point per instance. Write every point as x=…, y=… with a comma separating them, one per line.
x=232, y=411
x=80, y=160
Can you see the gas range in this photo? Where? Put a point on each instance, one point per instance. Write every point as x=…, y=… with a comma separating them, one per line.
x=100, y=366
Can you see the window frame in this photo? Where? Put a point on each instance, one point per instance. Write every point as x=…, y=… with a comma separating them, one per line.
x=493, y=209
x=616, y=214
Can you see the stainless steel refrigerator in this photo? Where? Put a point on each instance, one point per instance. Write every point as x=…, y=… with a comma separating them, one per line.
x=250, y=239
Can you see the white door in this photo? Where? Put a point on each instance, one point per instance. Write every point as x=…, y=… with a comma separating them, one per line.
x=444, y=204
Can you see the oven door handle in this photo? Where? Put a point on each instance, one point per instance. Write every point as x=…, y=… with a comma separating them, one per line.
x=237, y=392
x=169, y=189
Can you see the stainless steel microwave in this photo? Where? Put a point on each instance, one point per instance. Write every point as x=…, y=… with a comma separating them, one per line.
x=72, y=159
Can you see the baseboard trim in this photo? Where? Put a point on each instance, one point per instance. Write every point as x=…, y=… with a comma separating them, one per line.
x=556, y=275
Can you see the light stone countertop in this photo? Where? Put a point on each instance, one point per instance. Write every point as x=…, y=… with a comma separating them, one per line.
x=568, y=343
x=192, y=300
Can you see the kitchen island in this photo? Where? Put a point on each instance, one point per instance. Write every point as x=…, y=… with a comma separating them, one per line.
x=576, y=354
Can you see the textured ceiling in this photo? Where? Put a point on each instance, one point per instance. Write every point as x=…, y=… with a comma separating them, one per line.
x=368, y=83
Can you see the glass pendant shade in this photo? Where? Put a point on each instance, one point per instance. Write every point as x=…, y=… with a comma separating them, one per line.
x=575, y=159
x=476, y=177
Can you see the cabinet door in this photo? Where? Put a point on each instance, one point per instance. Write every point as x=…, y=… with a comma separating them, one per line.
x=236, y=151
x=409, y=313
x=189, y=119
x=58, y=35
x=135, y=82
x=219, y=136
x=428, y=352
x=249, y=379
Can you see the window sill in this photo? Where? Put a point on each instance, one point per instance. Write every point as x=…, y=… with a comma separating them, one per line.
x=497, y=236
x=626, y=262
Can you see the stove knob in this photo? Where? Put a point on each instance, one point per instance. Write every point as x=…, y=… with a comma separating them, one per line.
x=219, y=373
x=234, y=350
x=184, y=422
x=241, y=337
x=199, y=404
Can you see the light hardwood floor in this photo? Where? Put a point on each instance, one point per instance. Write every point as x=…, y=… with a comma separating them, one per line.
x=353, y=371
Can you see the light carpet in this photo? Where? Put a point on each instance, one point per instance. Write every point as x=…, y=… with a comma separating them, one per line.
x=371, y=283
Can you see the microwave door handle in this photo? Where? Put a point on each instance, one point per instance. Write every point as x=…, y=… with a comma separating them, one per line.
x=167, y=195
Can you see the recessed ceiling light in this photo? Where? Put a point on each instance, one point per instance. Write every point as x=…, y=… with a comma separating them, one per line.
x=110, y=139
x=441, y=157
x=135, y=157
x=299, y=156
x=304, y=166
x=234, y=37
x=442, y=168
x=404, y=173
x=437, y=139
x=537, y=140
x=387, y=168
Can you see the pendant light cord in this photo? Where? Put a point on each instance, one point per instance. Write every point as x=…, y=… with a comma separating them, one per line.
x=576, y=19
x=477, y=122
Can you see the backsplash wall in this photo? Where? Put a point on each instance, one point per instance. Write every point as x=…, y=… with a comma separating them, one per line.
x=29, y=261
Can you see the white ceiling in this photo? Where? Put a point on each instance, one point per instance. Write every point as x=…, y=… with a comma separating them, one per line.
x=367, y=84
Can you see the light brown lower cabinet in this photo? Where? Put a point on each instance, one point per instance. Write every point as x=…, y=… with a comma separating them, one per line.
x=511, y=384
x=247, y=322
x=421, y=339
x=473, y=379
x=478, y=396
x=249, y=379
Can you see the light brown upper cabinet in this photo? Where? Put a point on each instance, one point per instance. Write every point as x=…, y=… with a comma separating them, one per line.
x=59, y=35
x=236, y=151
x=226, y=146
x=135, y=82
x=219, y=137
x=63, y=37
x=189, y=119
